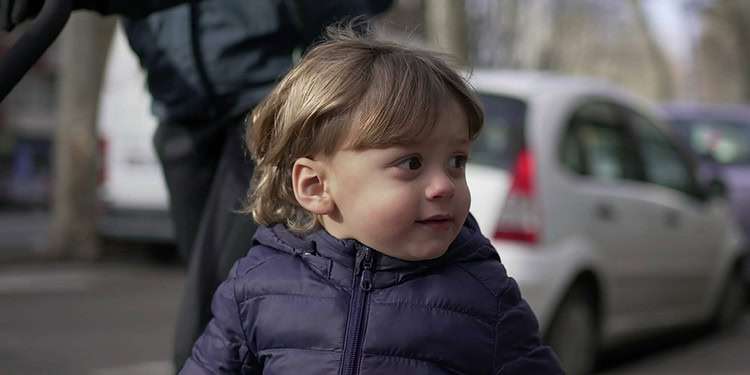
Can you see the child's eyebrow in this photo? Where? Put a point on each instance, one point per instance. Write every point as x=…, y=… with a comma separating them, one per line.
x=462, y=140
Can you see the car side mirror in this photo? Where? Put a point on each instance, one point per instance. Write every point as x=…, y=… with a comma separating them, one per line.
x=707, y=158
x=710, y=179
x=715, y=189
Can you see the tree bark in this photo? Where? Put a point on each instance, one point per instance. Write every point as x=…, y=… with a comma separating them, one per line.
x=665, y=84
x=722, y=55
x=85, y=43
x=741, y=24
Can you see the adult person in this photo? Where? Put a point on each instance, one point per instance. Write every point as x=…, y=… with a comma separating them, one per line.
x=208, y=63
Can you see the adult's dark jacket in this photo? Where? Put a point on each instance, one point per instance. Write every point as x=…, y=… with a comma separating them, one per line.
x=320, y=305
x=211, y=60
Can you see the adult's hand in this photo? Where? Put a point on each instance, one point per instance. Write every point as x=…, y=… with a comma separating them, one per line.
x=13, y=12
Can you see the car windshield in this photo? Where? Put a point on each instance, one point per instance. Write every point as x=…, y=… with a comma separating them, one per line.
x=502, y=136
x=727, y=142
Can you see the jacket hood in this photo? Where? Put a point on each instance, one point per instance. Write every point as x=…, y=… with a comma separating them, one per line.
x=337, y=259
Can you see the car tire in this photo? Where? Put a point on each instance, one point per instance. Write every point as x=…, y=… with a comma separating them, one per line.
x=732, y=302
x=573, y=332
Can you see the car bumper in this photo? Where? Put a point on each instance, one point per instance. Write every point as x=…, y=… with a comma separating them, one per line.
x=542, y=274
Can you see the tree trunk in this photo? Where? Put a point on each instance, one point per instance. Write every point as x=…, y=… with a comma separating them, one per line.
x=85, y=43
x=741, y=25
x=665, y=81
x=722, y=54
x=446, y=27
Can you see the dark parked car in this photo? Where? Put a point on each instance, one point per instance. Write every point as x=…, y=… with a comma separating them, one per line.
x=720, y=136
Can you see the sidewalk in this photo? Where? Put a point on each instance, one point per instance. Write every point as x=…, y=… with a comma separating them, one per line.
x=24, y=234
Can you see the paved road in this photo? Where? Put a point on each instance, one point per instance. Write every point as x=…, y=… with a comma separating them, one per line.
x=116, y=317
x=693, y=353
x=109, y=318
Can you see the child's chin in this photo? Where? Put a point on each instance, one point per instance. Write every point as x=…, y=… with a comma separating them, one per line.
x=427, y=253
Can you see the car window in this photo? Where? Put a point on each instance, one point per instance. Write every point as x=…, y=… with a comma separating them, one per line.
x=502, y=137
x=662, y=161
x=596, y=145
x=571, y=152
x=727, y=142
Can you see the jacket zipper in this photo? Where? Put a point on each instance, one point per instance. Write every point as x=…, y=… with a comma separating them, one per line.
x=357, y=314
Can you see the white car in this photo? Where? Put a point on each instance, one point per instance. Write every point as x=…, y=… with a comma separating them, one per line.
x=596, y=212
x=132, y=192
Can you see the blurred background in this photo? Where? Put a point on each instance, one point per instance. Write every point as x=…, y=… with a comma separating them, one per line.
x=84, y=229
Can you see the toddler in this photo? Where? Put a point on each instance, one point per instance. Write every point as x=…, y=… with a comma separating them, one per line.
x=367, y=260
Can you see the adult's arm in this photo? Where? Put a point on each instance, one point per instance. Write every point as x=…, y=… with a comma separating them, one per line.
x=128, y=8
x=13, y=12
x=312, y=15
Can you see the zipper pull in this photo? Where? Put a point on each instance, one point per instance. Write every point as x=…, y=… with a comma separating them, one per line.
x=366, y=281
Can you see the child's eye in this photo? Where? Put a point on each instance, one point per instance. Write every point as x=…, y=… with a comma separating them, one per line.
x=412, y=163
x=457, y=161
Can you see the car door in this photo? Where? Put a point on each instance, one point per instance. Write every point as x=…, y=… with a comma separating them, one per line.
x=604, y=204
x=684, y=235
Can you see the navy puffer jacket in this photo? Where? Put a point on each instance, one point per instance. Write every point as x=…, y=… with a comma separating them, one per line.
x=320, y=305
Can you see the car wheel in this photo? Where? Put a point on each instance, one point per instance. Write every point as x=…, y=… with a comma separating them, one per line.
x=573, y=333
x=732, y=302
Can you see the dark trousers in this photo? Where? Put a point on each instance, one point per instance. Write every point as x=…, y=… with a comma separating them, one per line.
x=207, y=174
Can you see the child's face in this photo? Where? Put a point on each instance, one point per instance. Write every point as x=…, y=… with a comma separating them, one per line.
x=408, y=202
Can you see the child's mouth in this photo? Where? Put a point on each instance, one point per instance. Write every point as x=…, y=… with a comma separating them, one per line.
x=438, y=222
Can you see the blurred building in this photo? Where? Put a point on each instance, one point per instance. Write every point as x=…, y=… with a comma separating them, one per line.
x=27, y=120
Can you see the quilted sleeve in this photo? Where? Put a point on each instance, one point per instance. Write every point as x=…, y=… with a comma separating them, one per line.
x=222, y=348
x=518, y=348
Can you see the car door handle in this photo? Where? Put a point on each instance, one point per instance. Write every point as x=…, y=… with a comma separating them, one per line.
x=604, y=212
x=672, y=219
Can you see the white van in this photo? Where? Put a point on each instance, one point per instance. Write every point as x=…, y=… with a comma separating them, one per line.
x=132, y=192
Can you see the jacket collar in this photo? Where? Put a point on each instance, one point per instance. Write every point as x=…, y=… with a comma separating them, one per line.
x=337, y=259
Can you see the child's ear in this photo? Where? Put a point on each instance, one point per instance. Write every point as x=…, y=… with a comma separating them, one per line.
x=309, y=183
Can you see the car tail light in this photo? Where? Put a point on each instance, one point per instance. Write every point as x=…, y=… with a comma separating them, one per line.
x=519, y=218
x=101, y=170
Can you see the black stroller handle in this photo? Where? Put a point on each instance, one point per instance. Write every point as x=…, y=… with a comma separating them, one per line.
x=31, y=45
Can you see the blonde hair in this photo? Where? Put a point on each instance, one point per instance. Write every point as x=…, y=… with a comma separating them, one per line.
x=346, y=92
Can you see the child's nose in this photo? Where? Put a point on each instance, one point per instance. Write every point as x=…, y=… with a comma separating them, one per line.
x=440, y=186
